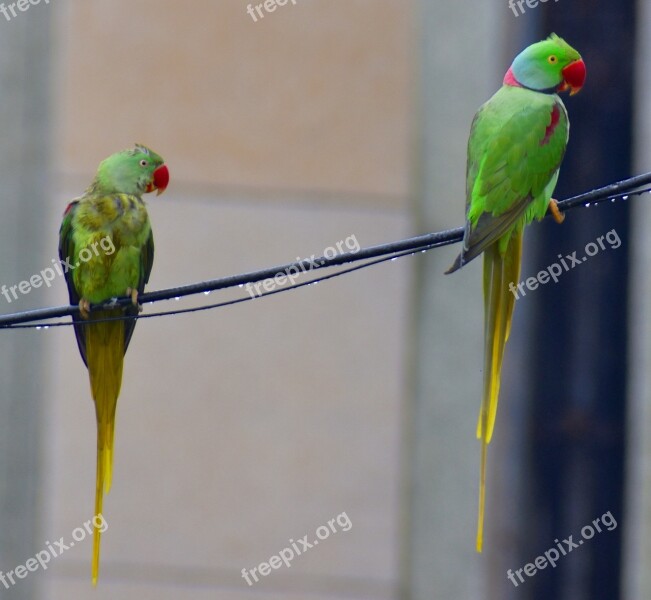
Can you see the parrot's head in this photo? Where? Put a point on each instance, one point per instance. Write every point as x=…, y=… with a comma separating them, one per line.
x=135, y=171
x=548, y=66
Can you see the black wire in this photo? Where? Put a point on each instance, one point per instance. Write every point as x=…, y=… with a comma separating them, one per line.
x=226, y=302
x=411, y=245
x=619, y=190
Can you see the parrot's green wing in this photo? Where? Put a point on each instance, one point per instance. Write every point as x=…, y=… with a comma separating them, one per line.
x=517, y=142
x=67, y=254
x=146, y=263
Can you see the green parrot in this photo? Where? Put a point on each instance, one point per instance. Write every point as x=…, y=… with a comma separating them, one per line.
x=107, y=244
x=517, y=142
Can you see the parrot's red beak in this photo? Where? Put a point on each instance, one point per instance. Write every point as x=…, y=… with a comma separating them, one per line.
x=573, y=77
x=160, y=180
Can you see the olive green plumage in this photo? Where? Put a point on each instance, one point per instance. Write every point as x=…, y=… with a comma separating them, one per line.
x=106, y=237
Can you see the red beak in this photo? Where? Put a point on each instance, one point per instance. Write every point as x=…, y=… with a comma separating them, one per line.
x=573, y=77
x=160, y=180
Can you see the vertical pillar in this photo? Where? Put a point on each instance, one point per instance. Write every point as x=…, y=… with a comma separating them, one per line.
x=636, y=577
x=24, y=123
x=458, y=71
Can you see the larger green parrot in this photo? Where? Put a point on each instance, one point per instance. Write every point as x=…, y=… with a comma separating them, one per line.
x=107, y=243
x=517, y=142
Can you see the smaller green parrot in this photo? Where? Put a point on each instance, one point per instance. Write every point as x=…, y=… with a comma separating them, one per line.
x=517, y=142
x=107, y=240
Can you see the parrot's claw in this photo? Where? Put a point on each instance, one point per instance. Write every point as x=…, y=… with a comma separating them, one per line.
x=84, y=308
x=553, y=208
x=133, y=292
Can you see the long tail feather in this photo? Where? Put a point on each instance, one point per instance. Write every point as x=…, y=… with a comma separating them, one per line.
x=105, y=354
x=499, y=271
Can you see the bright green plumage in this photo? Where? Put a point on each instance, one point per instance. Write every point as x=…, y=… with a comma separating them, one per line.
x=106, y=237
x=517, y=141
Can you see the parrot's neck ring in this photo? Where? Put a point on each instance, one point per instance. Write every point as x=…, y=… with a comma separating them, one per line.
x=509, y=79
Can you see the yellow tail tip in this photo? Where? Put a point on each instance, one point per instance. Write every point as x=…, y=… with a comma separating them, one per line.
x=479, y=542
x=94, y=570
x=482, y=499
x=95, y=563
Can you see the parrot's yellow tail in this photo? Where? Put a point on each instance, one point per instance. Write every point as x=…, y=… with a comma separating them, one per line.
x=499, y=271
x=105, y=354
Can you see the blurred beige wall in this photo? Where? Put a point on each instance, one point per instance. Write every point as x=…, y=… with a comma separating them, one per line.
x=242, y=427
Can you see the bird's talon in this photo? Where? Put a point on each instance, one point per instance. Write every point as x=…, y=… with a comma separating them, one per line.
x=133, y=294
x=553, y=208
x=84, y=308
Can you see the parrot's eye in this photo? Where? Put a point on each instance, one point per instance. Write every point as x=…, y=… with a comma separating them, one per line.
x=143, y=163
x=552, y=59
